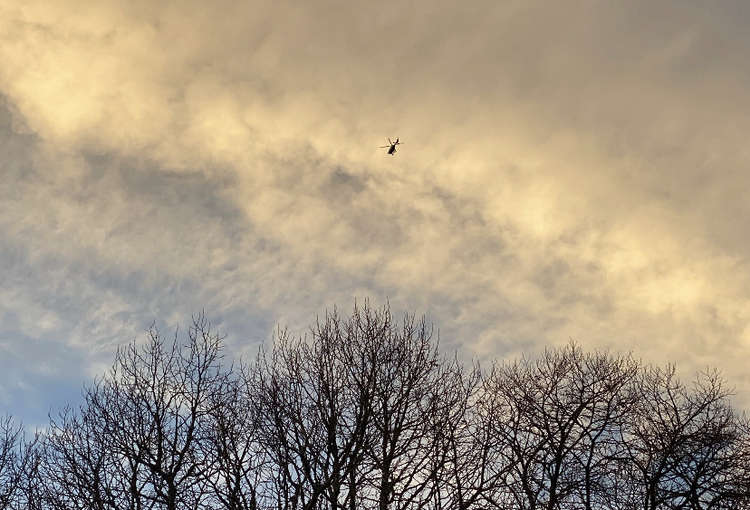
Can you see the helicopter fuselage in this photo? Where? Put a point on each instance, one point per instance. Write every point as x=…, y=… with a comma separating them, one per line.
x=391, y=146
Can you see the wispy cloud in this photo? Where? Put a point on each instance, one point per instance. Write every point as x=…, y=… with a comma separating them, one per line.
x=566, y=173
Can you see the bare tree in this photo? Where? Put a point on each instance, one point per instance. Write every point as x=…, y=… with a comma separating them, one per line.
x=365, y=413
x=19, y=456
x=473, y=456
x=685, y=446
x=80, y=469
x=11, y=460
x=603, y=384
x=362, y=414
x=417, y=401
x=134, y=443
x=233, y=441
x=558, y=418
x=316, y=401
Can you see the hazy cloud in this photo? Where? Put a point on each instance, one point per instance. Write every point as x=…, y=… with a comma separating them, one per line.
x=567, y=172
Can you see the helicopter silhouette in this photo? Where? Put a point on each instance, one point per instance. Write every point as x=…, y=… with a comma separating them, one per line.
x=391, y=146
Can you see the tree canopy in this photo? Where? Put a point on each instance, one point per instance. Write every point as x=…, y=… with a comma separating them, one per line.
x=366, y=412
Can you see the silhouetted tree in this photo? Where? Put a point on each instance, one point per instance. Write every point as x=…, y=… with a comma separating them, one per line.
x=134, y=443
x=11, y=460
x=362, y=414
x=317, y=395
x=19, y=460
x=685, y=445
x=81, y=469
x=472, y=468
x=417, y=396
x=604, y=391
x=232, y=441
x=366, y=413
x=557, y=418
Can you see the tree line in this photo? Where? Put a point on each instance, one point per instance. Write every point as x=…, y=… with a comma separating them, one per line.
x=366, y=413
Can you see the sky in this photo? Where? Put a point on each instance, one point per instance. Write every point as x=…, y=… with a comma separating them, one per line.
x=570, y=170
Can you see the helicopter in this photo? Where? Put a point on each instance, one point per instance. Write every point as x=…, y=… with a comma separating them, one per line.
x=391, y=146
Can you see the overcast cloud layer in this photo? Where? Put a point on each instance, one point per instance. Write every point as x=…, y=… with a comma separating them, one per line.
x=568, y=172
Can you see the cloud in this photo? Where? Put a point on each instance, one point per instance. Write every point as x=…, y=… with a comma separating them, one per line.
x=565, y=173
